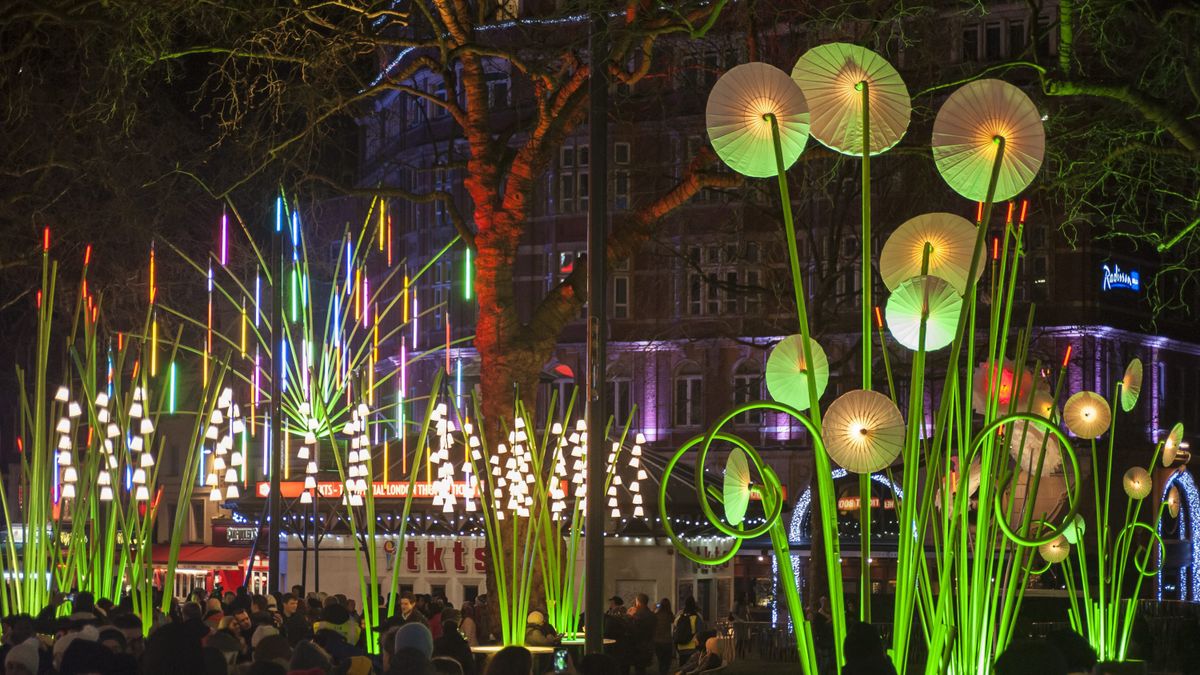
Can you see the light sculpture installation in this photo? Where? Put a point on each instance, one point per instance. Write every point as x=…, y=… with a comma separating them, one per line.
x=89, y=469
x=1000, y=423
x=1101, y=614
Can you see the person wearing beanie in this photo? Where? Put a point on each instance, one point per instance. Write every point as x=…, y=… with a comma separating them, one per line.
x=307, y=656
x=538, y=632
x=23, y=659
x=415, y=636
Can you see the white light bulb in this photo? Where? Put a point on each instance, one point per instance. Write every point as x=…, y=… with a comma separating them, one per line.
x=62, y=395
x=106, y=494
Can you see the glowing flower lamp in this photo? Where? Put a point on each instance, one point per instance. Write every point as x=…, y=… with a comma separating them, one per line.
x=787, y=376
x=1087, y=414
x=1055, y=551
x=831, y=76
x=1131, y=385
x=929, y=298
x=736, y=487
x=966, y=133
x=738, y=126
x=1171, y=446
x=950, y=239
x=1174, y=501
x=1137, y=483
x=864, y=431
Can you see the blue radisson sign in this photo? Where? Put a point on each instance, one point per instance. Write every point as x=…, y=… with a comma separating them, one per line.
x=1117, y=278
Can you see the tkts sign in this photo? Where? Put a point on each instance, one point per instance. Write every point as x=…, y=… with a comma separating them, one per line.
x=334, y=490
x=439, y=555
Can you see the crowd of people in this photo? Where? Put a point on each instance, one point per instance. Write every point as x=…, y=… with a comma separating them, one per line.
x=673, y=642
x=237, y=633
x=234, y=632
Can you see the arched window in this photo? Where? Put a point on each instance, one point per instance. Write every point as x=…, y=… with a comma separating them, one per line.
x=688, y=392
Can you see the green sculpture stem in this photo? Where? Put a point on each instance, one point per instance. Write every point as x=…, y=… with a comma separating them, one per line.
x=824, y=480
x=864, y=480
x=910, y=557
x=772, y=496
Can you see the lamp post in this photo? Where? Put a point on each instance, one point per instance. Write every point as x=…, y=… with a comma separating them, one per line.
x=597, y=331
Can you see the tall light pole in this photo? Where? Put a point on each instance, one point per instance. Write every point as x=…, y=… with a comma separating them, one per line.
x=274, y=499
x=597, y=328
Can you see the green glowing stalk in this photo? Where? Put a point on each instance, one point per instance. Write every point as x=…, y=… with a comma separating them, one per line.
x=864, y=480
x=824, y=482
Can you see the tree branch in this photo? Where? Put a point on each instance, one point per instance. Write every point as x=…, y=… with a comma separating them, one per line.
x=1153, y=109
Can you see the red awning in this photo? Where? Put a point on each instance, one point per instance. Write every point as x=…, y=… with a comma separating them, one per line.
x=192, y=555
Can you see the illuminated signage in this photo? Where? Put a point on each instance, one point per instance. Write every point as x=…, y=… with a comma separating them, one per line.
x=1117, y=278
x=240, y=535
x=334, y=489
x=852, y=503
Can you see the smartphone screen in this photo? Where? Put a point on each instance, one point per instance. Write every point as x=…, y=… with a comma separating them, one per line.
x=560, y=660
